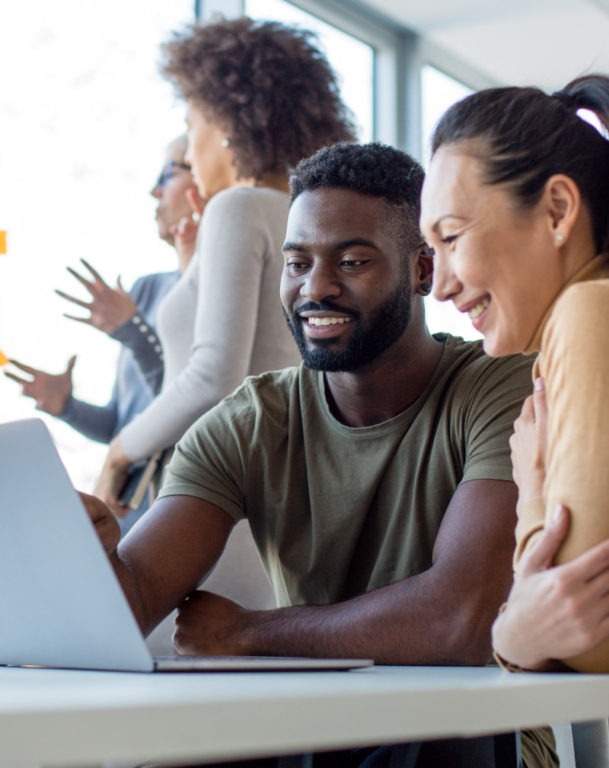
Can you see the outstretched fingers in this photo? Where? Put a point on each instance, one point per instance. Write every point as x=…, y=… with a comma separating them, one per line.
x=92, y=271
x=73, y=299
x=16, y=378
x=23, y=367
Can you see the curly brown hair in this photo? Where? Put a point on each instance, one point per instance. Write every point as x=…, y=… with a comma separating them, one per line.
x=266, y=83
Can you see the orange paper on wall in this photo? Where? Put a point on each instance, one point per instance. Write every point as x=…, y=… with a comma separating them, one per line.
x=3, y=359
x=2, y=241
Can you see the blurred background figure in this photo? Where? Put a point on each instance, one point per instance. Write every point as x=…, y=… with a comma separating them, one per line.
x=128, y=317
x=259, y=97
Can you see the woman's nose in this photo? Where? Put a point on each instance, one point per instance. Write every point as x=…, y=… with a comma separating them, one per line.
x=445, y=282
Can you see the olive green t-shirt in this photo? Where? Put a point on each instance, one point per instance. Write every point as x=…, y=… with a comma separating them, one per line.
x=337, y=511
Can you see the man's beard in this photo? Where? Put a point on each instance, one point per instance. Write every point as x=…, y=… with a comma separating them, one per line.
x=367, y=341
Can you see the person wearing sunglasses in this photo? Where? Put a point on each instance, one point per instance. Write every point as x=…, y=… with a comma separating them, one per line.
x=127, y=316
x=247, y=128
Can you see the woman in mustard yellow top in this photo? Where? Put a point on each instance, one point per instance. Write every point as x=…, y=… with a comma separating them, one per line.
x=516, y=207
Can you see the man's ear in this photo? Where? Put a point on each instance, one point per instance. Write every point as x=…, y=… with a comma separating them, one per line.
x=562, y=200
x=424, y=269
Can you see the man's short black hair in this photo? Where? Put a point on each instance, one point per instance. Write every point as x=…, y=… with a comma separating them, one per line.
x=373, y=169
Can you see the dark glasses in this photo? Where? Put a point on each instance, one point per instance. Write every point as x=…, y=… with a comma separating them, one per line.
x=167, y=172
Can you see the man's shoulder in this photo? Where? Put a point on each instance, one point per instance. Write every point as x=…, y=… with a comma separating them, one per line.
x=469, y=372
x=469, y=359
x=258, y=413
x=265, y=395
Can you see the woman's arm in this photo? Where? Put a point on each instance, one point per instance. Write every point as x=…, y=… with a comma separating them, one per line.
x=232, y=261
x=554, y=612
x=575, y=369
x=53, y=394
x=138, y=333
x=97, y=422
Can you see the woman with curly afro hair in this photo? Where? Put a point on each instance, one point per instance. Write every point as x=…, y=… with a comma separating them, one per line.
x=259, y=97
x=266, y=85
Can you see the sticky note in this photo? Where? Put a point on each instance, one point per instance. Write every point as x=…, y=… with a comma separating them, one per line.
x=2, y=241
x=3, y=359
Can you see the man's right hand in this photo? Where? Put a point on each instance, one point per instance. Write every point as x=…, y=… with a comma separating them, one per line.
x=50, y=391
x=106, y=525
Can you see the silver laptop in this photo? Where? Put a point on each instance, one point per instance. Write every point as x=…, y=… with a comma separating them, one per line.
x=60, y=602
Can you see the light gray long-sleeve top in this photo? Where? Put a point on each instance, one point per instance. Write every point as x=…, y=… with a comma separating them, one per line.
x=222, y=321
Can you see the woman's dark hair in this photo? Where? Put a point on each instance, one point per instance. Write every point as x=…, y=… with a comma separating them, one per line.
x=522, y=137
x=267, y=84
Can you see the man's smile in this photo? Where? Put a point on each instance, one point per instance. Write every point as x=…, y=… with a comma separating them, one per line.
x=323, y=323
x=328, y=320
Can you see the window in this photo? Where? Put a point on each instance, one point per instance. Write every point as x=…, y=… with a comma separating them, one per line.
x=352, y=59
x=438, y=92
x=85, y=119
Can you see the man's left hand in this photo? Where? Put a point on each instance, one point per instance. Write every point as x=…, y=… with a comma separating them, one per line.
x=208, y=624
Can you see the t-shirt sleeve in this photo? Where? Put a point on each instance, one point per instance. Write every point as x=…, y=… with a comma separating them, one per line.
x=209, y=462
x=494, y=401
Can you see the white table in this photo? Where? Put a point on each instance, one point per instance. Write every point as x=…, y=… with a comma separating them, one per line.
x=70, y=718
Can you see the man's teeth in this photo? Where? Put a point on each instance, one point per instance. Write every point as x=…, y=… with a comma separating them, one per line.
x=328, y=320
x=478, y=309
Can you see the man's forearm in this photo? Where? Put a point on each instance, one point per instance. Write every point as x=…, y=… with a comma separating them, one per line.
x=442, y=615
x=131, y=589
x=409, y=622
x=391, y=625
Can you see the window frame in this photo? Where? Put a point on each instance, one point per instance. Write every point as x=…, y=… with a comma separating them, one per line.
x=400, y=54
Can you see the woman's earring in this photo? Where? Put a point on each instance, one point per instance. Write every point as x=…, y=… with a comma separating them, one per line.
x=425, y=288
x=225, y=142
x=559, y=238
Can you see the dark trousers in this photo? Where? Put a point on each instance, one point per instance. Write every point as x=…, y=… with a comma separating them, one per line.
x=448, y=753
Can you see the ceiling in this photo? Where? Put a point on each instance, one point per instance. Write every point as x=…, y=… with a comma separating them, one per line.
x=519, y=42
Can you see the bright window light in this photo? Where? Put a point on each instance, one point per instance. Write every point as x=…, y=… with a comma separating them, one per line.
x=352, y=59
x=85, y=120
x=439, y=91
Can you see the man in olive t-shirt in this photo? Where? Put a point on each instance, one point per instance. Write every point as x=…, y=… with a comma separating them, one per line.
x=376, y=477
x=340, y=510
